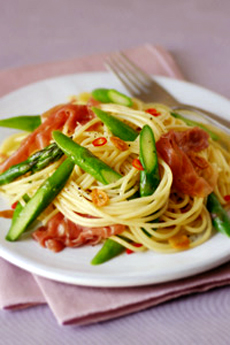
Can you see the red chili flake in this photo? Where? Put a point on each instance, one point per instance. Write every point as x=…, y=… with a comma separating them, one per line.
x=137, y=164
x=99, y=141
x=129, y=251
x=153, y=112
x=227, y=197
x=13, y=206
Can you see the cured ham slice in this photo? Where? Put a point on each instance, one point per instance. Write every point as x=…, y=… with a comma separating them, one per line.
x=192, y=140
x=60, y=232
x=192, y=174
x=69, y=115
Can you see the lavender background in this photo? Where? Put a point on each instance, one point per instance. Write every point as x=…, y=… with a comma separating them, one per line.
x=196, y=32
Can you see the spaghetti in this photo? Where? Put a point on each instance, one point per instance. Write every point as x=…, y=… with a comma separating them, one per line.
x=166, y=221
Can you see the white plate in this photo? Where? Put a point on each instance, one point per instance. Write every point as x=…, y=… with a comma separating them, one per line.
x=73, y=265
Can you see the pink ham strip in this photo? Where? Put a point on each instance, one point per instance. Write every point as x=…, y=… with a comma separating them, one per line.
x=60, y=232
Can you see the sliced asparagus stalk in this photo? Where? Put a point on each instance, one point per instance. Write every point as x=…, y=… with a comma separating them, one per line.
x=26, y=123
x=111, y=96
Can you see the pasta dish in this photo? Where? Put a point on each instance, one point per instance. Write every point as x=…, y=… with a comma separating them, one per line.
x=105, y=168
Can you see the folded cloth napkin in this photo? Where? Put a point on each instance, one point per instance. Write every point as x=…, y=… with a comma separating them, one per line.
x=153, y=59
x=84, y=305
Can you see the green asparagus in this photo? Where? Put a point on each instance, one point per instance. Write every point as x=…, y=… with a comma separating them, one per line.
x=24, y=123
x=116, y=126
x=38, y=161
x=86, y=160
x=109, y=250
x=19, y=207
x=41, y=199
x=220, y=218
x=111, y=96
x=149, y=177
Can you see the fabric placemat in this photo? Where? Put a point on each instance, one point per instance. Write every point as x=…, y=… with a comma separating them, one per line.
x=73, y=304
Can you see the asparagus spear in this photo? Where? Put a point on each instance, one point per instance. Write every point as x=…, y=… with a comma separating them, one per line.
x=19, y=207
x=86, y=160
x=35, y=162
x=111, y=96
x=24, y=123
x=109, y=250
x=149, y=177
x=220, y=218
x=117, y=127
x=41, y=199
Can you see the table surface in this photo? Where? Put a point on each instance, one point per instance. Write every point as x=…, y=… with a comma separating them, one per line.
x=196, y=32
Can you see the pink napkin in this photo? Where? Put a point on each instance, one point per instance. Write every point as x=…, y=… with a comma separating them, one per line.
x=84, y=305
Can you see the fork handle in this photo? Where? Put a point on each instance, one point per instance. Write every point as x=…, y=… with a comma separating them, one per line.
x=216, y=120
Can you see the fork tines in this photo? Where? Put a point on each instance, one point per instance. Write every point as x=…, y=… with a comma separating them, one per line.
x=133, y=78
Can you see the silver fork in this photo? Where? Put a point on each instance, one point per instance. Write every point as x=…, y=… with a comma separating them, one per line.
x=140, y=85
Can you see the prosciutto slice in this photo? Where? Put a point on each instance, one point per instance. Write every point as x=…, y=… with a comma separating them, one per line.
x=54, y=119
x=192, y=174
x=60, y=232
